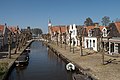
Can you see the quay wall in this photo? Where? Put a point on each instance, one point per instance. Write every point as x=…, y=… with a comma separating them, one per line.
x=11, y=64
x=67, y=60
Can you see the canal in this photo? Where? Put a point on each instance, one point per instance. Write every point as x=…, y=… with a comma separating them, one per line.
x=43, y=65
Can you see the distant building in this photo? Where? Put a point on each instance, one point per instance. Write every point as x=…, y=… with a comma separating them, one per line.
x=58, y=30
x=3, y=35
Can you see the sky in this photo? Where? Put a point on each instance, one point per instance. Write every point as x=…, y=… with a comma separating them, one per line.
x=36, y=13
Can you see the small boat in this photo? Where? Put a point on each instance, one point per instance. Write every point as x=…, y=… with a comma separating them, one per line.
x=76, y=76
x=27, y=49
x=22, y=60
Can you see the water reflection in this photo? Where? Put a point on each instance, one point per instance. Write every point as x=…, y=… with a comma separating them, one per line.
x=43, y=65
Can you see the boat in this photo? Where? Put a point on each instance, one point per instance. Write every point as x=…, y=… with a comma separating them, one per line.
x=27, y=49
x=22, y=60
x=76, y=76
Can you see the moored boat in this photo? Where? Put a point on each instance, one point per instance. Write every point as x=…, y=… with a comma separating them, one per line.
x=22, y=60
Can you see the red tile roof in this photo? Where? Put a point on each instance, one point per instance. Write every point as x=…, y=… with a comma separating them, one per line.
x=1, y=27
x=89, y=28
x=118, y=26
x=60, y=28
x=92, y=27
x=54, y=29
x=12, y=29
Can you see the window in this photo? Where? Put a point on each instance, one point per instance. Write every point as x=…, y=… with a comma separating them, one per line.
x=90, y=43
x=72, y=27
x=93, y=43
x=73, y=32
x=90, y=33
x=104, y=33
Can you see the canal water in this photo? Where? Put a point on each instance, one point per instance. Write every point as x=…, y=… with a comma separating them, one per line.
x=43, y=65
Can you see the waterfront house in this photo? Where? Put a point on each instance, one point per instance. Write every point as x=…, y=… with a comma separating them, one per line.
x=3, y=35
x=92, y=40
x=76, y=31
x=14, y=30
x=114, y=38
x=58, y=32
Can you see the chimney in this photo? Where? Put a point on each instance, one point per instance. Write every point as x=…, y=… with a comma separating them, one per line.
x=96, y=25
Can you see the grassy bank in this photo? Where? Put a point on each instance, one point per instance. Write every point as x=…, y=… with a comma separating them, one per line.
x=3, y=68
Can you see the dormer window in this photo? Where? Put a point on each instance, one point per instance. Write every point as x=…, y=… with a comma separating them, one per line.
x=90, y=33
x=104, y=33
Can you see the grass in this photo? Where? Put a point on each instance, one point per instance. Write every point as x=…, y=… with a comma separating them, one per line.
x=3, y=67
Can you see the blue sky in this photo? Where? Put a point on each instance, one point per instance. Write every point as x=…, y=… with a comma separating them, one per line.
x=35, y=13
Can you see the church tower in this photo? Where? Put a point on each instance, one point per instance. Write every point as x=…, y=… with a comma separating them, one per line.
x=49, y=25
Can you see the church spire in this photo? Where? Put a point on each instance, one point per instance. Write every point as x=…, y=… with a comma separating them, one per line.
x=49, y=23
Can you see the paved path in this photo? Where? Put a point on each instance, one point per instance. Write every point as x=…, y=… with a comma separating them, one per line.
x=10, y=62
x=91, y=63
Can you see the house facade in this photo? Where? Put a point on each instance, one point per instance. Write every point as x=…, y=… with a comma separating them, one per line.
x=113, y=43
x=58, y=32
x=14, y=30
x=93, y=38
x=3, y=35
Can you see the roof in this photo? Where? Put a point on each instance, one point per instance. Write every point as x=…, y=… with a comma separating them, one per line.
x=54, y=29
x=60, y=28
x=89, y=28
x=118, y=26
x=1, y=27
x=12, y=29
x=96, y=32
x=114, y=29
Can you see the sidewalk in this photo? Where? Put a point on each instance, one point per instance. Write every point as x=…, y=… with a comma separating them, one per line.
x=91, y=63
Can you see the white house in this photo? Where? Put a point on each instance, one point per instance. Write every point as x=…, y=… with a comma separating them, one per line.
x=73, y=31
x=92, y=40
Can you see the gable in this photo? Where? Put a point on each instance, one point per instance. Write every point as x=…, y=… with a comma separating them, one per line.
x=118, y=26
x=114, y=30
